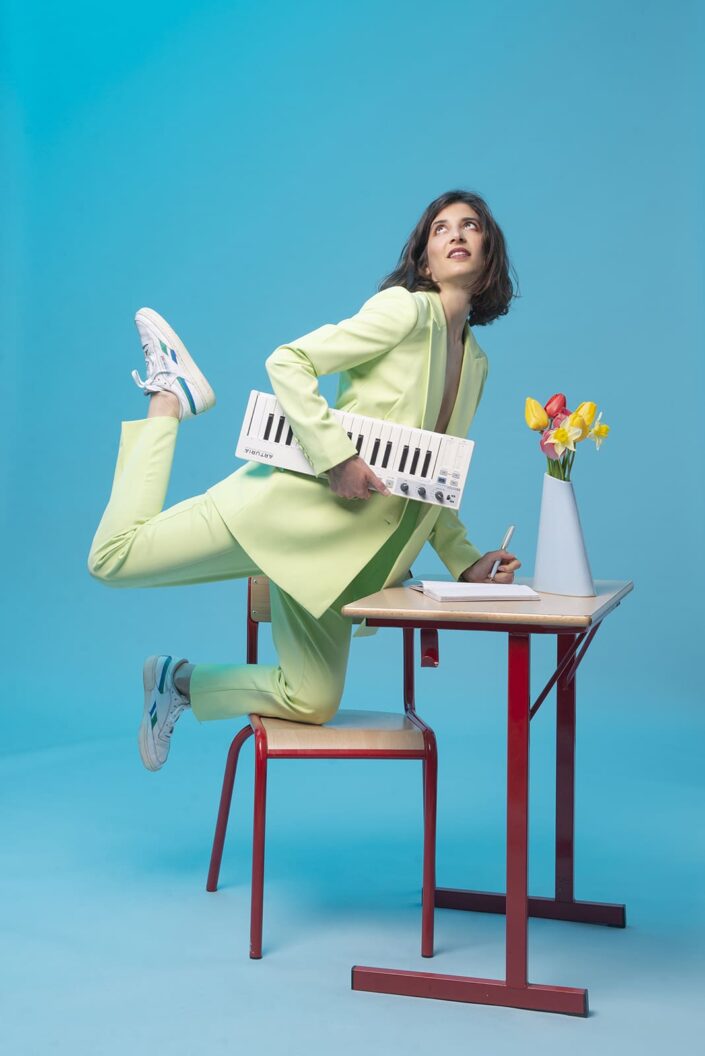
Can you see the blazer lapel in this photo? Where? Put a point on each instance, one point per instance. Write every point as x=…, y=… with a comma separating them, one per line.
x=438, y=350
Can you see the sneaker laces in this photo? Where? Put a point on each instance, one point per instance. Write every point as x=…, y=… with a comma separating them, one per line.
x=151, y=378
x=153, y=369
x=174, y=714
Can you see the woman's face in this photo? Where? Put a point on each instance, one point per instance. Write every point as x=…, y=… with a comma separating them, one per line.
x=455, y=228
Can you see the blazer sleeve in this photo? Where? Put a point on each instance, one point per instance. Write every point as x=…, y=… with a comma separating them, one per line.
x=384, y=320
x=449, y=535
x=449, y=539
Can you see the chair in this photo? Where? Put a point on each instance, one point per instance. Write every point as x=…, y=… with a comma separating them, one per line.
x=348, y=735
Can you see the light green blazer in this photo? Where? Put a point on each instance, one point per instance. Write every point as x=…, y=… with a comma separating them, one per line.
x=391, y=357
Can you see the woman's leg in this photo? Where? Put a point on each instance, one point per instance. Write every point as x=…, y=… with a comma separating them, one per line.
x=137, y=544
x=307, y=686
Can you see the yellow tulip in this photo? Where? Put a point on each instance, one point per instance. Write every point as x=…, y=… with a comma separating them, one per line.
x=579, y=422
x=586, y=412
x=536, y=417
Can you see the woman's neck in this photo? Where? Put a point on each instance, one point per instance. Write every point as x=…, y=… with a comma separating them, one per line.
x=456, y=307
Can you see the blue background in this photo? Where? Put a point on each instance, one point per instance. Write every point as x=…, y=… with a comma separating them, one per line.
x=252, y=170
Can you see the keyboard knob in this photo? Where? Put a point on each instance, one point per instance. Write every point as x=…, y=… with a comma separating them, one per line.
x=404, y=487
x=422, y=491
x=439, y=496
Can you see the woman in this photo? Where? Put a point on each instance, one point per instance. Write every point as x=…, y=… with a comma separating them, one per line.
x=408, y=355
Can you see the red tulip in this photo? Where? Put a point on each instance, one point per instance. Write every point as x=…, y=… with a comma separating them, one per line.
x=555, y=404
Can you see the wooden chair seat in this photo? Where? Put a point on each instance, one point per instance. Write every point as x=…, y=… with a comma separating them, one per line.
x=347, y=730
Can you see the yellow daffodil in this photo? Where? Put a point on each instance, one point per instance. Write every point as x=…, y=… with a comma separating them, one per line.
x=579, y=422
x=599, y=432
x=536, y=417
x=564, y=437
x=586, y=412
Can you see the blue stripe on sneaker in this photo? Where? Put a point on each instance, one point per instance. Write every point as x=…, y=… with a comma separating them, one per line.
x=173, y=355
x=186, y=389
x=163, y=675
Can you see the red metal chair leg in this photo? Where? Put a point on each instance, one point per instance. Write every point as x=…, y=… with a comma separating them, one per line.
x=430, y=771
x=256, y=910
x=224, y=809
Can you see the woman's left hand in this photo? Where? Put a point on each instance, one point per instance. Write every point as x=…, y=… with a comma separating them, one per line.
x=480, y=571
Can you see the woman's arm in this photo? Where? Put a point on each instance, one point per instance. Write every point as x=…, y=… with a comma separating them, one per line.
x=383, y=321
x=449, y=539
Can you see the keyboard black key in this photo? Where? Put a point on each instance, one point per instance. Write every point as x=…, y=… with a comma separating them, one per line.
x=358, y=445
x=414, y=461
x=280, y=426
x=270, y=419
x=402, y=460
x=289, y=436
x=424, y=468
x=387, y=453
x=375, y=449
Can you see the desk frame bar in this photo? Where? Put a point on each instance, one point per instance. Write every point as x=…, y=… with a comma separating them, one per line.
x=515, y=990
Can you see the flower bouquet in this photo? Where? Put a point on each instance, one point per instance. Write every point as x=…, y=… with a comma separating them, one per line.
x=562, y=565
x=562, y=429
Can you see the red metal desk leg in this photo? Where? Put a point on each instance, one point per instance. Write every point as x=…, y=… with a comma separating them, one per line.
x=514, y=991
x=563, y=906
x=519, y=703
x=566, y=906
x=565, y=776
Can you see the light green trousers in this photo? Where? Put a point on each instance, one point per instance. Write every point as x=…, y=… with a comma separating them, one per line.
x=138, y=544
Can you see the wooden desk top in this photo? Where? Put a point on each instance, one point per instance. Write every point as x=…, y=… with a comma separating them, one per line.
x=555, y=610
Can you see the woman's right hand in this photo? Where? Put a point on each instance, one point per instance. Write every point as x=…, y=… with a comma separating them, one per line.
x=353, y=478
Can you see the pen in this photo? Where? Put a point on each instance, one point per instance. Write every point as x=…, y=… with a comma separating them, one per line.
x=505, y=543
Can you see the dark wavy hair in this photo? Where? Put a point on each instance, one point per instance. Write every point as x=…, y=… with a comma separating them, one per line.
x=494, y=290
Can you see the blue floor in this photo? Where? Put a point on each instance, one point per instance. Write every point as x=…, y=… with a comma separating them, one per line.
x=111, y=944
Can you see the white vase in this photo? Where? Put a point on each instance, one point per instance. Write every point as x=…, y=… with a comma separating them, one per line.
x=561, y=565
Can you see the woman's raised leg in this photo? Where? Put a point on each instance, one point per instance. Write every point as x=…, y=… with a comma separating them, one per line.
x=138, y=543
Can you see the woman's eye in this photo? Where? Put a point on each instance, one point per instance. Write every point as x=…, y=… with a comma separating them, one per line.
x=441, y=226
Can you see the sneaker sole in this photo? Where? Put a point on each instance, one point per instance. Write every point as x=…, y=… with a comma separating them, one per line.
x=196, y=377
x=149, y=681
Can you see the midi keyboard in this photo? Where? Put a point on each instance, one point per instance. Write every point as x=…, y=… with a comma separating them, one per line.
x=413, y=463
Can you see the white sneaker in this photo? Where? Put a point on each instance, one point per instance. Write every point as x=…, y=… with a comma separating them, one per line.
x=163, y=705
x=169, y=366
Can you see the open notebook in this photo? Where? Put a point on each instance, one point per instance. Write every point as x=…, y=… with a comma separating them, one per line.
x=447, y=590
